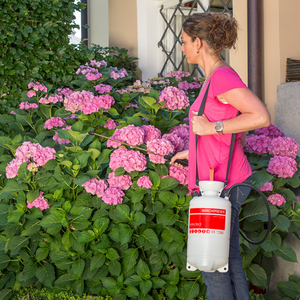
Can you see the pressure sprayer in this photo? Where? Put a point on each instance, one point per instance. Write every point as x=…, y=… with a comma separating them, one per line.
x=210, y=219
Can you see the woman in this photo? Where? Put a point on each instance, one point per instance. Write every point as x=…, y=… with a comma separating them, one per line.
x=204, y=36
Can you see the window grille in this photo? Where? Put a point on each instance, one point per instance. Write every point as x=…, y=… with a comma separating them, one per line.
x=170, y=41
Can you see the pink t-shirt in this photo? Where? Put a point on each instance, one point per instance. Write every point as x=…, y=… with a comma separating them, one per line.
x=213, y=150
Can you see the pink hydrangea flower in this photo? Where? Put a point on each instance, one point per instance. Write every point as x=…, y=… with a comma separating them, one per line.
x=178, y=74
x=98, y=64
x=104, y=101
x=111, y=124
x=130, y=134
x=151, y=133
x=27, y=105
x=32, y=167
x=54, y=122
x=113, y=196
x=283, y=166
x=122, y=182
x=131, y=105
x=76, y=100
x=175, y=98
x=130, y=160
x=159, y=146
x=283, y=146
x=116, y=74
x=95, y=187
x=51, y=99
x=13, y=167
x=180, y=174
x=276, y=199
x=182, y=131
x=184, y=85
x=13, y=113
x=122, y=91
x=31, y=94
x=39, y=202
x=103, y=88
x=195, y=85
x=65, y=92
x=268, y=186
x=144, y=182
x=89, y=72
x=59, y=140
x=44, y=155
x=27, y=150
x=271, y=131
x=175, y=140
x=257, y=143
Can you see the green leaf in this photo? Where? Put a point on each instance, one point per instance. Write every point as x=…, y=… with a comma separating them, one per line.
x=138, y=219
x=12, y=187
x=260, y=178
x=110, y=283
x=161, y=169
x=114, y=268
x=119, y=171
x=282, y=222
x=257, y=210
x=286, y=252
x=51, y=221
x=168, y=198
x=125, y=234
x=46, y=274
x=257, y=275
x=294, y=182
x=155, y=179
x=145, y=286
x=29, y=270
x=41, y=253
x=166, y=217
x=78, y=267
x=133, y=280
x=129, y=258
x=32, y=195
x=289, y=288
x=168, y=183
x=101, y=224
x=288, y=194
x=272, y=242
x=97, y=261
x=188, y=290
x=86, y=236
x=132, y=291
x=5, y=294
x=123, y=212
x=4, y=261
x=142, y=269
x=171, y=291
x=176, y=247
x=16, y=243
x=174, y=276
x=112, y=254
x=64, y=280
x=148, y=238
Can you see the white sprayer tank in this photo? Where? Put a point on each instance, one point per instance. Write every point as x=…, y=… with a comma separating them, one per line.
x=209, y=229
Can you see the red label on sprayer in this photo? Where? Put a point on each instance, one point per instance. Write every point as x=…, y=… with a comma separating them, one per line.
x=207, y=218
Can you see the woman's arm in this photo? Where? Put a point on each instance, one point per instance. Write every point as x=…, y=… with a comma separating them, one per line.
x=253, y=115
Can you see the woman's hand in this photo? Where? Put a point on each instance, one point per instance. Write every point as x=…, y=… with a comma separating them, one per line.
x=179, y=155
x=201, y=125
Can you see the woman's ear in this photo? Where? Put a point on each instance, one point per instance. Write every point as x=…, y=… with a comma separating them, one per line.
x=198, y=43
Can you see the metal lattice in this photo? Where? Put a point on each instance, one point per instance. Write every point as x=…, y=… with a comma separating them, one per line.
x=180, y=10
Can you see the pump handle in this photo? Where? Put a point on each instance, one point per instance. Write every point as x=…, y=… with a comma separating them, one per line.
x=183, y=162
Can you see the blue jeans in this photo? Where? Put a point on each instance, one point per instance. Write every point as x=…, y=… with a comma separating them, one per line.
x=231, y=285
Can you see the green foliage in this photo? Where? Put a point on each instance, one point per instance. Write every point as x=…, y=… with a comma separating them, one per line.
x=35, y=47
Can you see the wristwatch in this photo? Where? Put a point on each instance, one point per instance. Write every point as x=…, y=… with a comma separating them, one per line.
x=219, y=127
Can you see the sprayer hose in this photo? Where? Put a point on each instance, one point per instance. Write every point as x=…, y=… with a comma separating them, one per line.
x=268, y=209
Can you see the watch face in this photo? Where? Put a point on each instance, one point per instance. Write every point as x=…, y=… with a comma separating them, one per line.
x=219, y=126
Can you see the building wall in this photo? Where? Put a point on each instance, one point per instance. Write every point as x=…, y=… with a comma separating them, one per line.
x=123, y=25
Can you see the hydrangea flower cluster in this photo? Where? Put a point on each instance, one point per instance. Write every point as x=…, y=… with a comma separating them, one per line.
x=103, y=88
x=111, y=124
x=36, y=86
x=122, y=182
x=59, y=140
x=87, y=102
x=51, y=99
x=271, y=131
x=115, y=73
x=178, y=74
x=113, y=195
x=98, y=64
x=131, y=105
x=184, y=85
x=39, y=202
x=130, y=134
x=182, y=131
x=144, y=182
x=54, y=122
x=175, y=140
x=159, y=146
x=122, y=91
x=25, y=153
x=32, y=167
x=257, y=143
x=283, y=166
x=158, y=80
x=175, y=98
x=90, y=72
x=266, y=187
x=151, y=133
x=276, y=199
x=95, y=187
x=283, y=146
x=130, y=160
x=27, y=105
x=180, y=174
x=65, y=92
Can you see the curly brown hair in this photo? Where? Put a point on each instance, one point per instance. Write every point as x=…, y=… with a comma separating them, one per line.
x=218, y=30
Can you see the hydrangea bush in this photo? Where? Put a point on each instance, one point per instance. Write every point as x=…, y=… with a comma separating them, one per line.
x=82, y=212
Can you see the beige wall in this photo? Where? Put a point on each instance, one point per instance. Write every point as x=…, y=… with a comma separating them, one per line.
x=123, y=25
x=281, y=22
